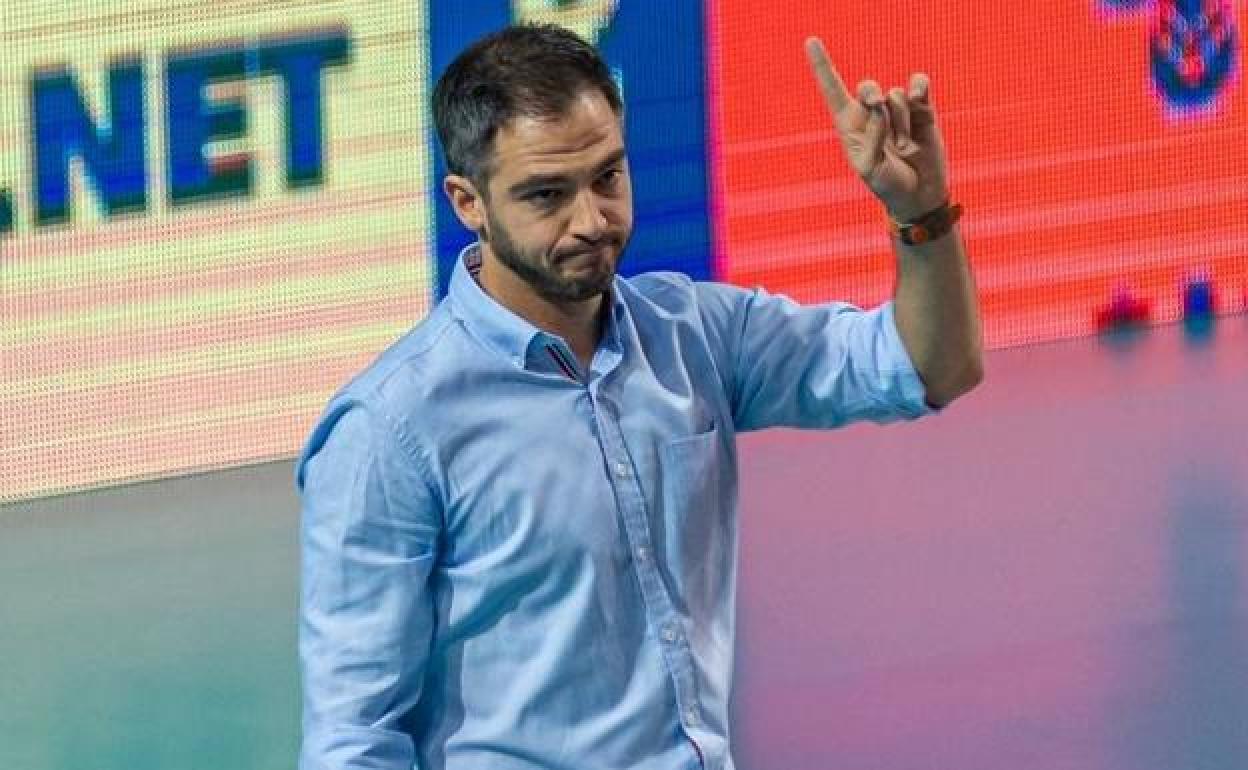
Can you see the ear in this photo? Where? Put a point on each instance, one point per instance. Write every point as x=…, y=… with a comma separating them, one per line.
x=466, y=200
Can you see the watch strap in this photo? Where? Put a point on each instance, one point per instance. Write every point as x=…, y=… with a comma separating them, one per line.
x=928, y=227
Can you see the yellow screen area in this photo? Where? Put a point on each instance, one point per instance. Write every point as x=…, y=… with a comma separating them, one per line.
x=179, y=336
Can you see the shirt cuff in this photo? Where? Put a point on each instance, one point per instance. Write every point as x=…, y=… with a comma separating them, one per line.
x=907, y=388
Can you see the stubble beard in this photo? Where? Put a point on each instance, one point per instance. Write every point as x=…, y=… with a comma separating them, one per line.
x=543, y=279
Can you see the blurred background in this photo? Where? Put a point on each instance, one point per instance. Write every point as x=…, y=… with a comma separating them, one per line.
x=213, y=214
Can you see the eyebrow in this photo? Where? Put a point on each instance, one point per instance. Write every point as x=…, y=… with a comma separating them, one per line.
x=532, y=182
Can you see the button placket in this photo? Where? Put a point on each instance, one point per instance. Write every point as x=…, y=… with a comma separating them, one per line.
x=632, y=509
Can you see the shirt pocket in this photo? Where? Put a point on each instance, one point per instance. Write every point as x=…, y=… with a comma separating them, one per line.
x=697, y=527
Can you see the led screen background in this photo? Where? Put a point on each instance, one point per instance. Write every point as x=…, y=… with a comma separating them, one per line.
x=1080, y=177
x=201, y=327
x=206, y=333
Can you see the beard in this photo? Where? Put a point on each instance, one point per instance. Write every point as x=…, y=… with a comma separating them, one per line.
x=541, y=271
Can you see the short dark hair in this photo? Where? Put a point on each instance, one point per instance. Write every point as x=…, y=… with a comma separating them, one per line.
x=532, y=70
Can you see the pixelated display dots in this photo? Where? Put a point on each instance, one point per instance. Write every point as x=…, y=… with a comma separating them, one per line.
x=1124, y=311
x=1200, y=304
x=6, y=212
x=1199, y=296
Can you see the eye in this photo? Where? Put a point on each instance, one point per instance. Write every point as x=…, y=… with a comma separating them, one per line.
x=610, y=180
x=544, y=196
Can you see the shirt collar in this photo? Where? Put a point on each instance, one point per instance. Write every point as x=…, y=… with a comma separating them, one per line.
x=500, y=328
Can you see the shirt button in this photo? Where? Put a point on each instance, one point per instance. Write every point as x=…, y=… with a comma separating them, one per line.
x=691, y=716
x=643, y=553
x=670, y=635
x=622, y=470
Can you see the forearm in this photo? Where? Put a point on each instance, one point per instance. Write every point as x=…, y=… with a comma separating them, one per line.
x=937, y=316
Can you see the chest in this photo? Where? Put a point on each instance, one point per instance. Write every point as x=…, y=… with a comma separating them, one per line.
x=553, y=472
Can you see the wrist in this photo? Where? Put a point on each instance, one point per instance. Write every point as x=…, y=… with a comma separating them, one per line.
x=926, y=226
x=913, y=207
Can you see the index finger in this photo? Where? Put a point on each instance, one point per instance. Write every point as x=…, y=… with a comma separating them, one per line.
x=829, y=80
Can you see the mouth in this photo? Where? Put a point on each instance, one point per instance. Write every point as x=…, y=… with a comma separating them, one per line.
x=595, y=254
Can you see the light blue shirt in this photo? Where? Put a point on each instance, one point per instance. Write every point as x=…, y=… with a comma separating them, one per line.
x=509, y=562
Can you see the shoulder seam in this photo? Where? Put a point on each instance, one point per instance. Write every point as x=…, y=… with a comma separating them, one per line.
x=406, y=441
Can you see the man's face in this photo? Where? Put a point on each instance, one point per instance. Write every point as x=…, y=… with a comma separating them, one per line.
x=560, y=206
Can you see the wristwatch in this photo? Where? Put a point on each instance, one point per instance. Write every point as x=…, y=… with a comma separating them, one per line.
x=928, y=227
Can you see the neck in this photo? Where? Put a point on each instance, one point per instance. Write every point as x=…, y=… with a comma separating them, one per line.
x=578, y=323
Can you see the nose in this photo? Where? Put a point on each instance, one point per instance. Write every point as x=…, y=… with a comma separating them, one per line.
x=589, y=221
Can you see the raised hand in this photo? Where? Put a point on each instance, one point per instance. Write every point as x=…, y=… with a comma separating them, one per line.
x=892, y=141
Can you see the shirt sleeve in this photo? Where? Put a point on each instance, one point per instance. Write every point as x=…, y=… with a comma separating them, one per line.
x=369, y=533
x=819, y=366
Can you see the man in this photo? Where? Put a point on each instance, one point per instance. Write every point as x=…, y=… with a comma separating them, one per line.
x=519, y=523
